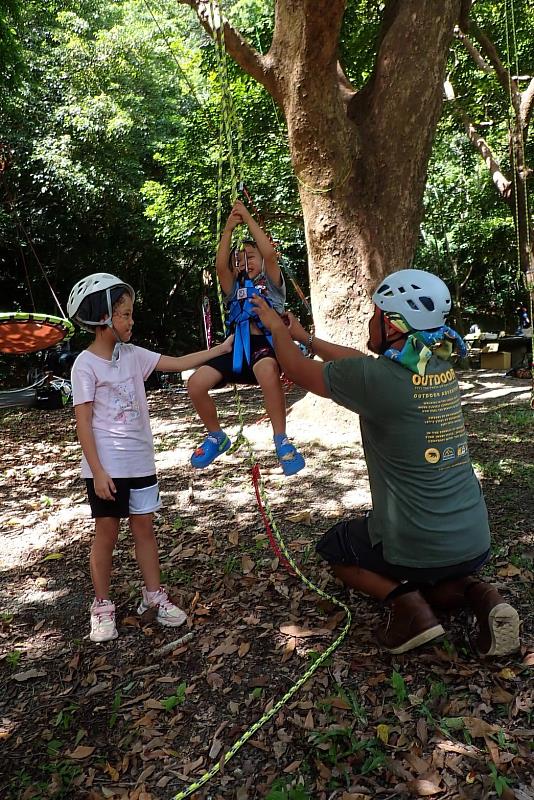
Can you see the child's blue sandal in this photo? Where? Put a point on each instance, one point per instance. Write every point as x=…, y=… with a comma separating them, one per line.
x=289, y=457
x=213, y=446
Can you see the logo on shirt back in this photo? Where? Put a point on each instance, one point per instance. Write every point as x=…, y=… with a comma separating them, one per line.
x=448, y=454
x=432, y=455
x=433, y=379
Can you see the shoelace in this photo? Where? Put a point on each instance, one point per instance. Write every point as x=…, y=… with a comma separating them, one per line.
x=161, y=599
x=101, y=614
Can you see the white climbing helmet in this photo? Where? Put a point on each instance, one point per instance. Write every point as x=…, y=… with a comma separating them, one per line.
x=420, y=297
x=94, y=284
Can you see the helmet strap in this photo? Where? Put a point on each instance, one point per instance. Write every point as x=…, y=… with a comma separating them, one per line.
x=109, y=323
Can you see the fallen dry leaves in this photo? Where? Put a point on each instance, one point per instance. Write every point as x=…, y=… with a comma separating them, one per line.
x=133, y=720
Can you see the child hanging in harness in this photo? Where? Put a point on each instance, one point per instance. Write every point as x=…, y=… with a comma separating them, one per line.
x=241, y=272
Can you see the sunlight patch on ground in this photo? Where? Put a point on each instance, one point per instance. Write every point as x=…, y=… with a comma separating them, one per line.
x=38, y=596
x=166, y=459
x=46, y=534
x=481, y=386
x=514, y=393
x=357, y=498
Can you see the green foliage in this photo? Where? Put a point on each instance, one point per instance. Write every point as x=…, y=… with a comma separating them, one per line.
x=281, y=791
x=110, y=130
x=113, y=149
x=99, y=97
x=499, y=781
x=359, y=39
x=10, y=50
x=176, y=699
x=314, y=656
x=65, y=718
x=54, y=781
x=399, y=687
x=13, y=658
x=468, y=235
x=338, y=744
x=116, y=704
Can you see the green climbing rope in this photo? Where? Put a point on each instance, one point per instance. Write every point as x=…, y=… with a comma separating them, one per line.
x=528, y=275
x=230, y=125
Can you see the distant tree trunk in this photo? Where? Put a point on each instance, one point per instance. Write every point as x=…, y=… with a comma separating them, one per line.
x=360, y=156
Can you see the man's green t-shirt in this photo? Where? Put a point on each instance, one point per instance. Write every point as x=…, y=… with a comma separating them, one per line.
x=428, y=507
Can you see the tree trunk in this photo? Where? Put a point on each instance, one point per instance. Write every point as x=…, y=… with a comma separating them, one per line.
x=360, y=156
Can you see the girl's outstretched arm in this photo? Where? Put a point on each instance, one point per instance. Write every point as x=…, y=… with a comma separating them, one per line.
x=193, y=360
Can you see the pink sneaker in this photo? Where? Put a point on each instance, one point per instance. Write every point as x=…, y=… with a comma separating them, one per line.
x=103, y=626
x=168, y=613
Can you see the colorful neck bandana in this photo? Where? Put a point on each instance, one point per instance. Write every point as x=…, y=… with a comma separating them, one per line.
x=420, y=346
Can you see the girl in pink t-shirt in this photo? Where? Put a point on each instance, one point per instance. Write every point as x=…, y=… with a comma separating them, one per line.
x=113, y=426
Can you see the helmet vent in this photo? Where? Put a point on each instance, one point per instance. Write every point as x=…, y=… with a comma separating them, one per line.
x=420, y=297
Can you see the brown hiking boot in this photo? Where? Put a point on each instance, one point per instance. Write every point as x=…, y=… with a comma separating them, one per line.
x=498, y=621
x=411, y=623
x=448, y=595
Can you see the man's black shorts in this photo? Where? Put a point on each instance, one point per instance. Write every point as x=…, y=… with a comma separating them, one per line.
x=259, y=348
x=133, y=496
x=347, y=544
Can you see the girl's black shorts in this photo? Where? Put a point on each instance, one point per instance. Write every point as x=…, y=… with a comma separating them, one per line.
x=133, y=496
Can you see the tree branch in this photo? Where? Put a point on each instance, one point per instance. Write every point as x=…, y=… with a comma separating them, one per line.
x=503, y=75
x=465, y=10
x=407, y=71
x=249, y=59
x=527, y=101
x=473, y=52
x=346, y=88
x=500, y=181
x=465, y=281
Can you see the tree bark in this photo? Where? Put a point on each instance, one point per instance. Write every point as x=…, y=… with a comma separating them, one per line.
x=360, y=157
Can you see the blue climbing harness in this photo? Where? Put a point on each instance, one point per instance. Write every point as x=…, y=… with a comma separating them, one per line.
x=240, y=313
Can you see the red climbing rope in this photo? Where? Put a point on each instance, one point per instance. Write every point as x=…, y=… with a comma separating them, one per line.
x=274, y=544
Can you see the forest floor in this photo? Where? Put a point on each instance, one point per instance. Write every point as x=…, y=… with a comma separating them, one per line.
x=120, y=720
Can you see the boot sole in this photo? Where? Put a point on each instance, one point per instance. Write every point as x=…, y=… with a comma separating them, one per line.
x=503, y=623
x=417, y=641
